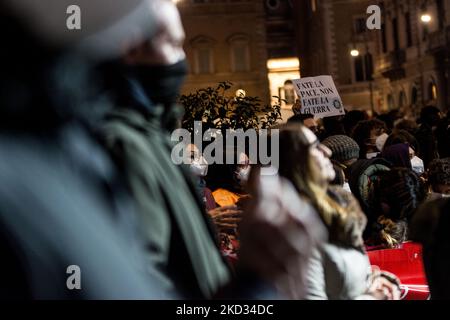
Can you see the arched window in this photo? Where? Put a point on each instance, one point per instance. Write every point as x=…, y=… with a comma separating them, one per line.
x=240, y=53
x=203, y=54
x=432, y=90
x=390, y=101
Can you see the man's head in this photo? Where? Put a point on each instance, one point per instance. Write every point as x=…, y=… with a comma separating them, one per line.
x=430, y=115
x=158, y=63
x=307, y=120
x=101, y=26
x=439, y=176
x=352, y=118
x=165, y=47
x=366, y=133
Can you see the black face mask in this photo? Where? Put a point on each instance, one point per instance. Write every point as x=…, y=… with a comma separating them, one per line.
x=162, y=84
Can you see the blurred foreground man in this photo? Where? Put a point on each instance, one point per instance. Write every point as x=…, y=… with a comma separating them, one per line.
x=66, y=225
x=180, y=238
x=63, y=204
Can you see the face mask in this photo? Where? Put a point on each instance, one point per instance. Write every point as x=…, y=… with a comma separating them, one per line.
x=243, y=174
x=199, y=167
x=371, y=155
x=346, y=187
x=417, y=165
x=162, y=84
x=381, y=140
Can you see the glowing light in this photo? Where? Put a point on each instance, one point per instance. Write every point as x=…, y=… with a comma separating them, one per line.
x=354, y=53
x=240, y=93
x=425, y=18
x=285, y=63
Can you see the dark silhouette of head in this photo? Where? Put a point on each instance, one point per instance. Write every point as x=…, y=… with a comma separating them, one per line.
x=429, y=115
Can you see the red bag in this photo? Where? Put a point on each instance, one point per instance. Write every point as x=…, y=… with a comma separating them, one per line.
x=407, y=264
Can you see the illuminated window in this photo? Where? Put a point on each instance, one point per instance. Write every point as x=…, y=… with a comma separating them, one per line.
x=432, y=91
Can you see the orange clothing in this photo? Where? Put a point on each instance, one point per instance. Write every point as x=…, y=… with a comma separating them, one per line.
x=226, y=198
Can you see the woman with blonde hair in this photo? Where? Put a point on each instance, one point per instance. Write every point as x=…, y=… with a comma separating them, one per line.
x=340, y=268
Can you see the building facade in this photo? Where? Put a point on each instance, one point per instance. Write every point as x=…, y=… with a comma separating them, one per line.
x=412, y=68
x=282, y=52
x=226, y=41
x=328, y=31
x=405, y=64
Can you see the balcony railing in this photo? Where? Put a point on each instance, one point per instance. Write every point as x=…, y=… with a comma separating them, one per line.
x=390, y=65
x=439, y=40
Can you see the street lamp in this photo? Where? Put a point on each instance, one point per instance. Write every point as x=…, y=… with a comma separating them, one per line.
x=240, y=93
x=425, y=18
x=354, y=53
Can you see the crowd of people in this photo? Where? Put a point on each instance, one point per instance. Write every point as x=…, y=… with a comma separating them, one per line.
x=87, y=179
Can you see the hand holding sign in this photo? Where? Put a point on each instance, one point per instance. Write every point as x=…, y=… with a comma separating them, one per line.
x=319, y=96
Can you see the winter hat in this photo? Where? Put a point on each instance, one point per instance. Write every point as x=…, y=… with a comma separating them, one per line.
x=343, y=147
x=102, y=29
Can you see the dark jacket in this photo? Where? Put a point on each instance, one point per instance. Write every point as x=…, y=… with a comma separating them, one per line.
x=363, y=175
x=178, y=232
x=427, y=144
x=60, y=198
x=443, y=137
x=56, y=211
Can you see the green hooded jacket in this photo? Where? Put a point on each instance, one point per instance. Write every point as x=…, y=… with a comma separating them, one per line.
x=179, y=234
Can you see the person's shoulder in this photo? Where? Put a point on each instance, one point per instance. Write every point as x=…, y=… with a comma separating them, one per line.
x=125, y=127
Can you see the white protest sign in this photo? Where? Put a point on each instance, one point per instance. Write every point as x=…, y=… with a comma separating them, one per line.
x=319, y=96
